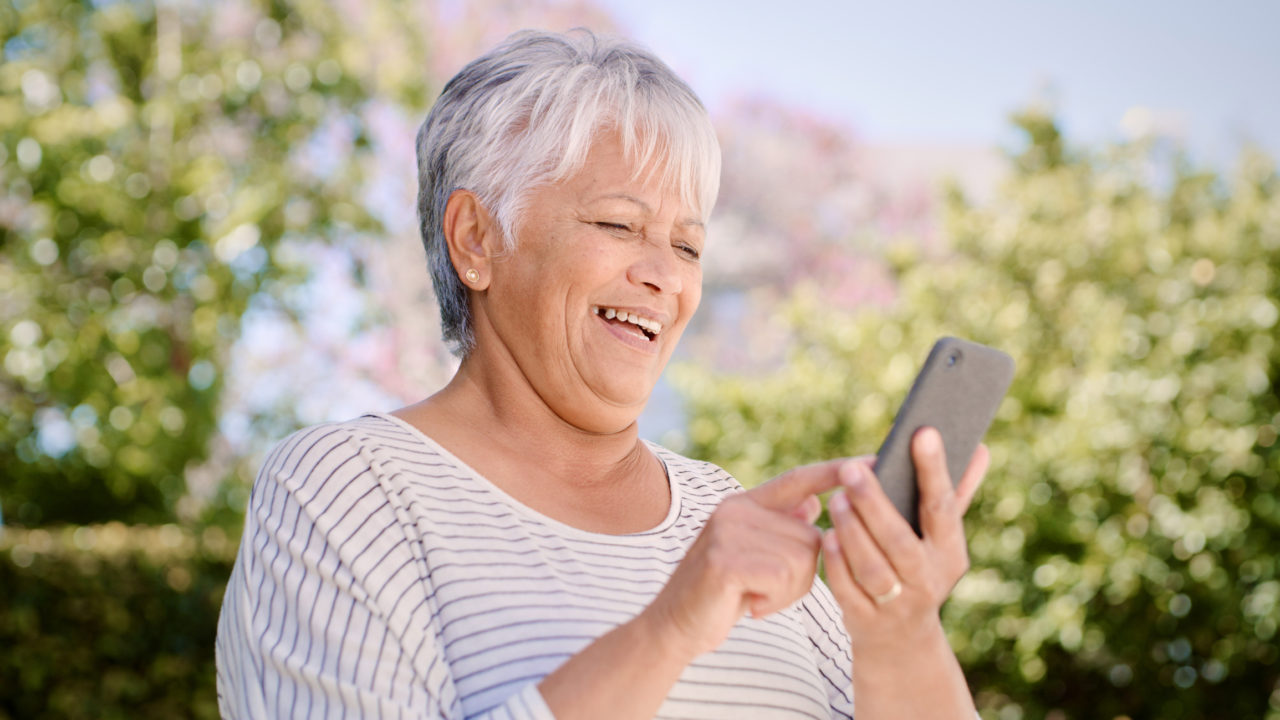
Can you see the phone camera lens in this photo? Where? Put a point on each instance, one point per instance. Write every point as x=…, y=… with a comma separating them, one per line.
x=953, y=358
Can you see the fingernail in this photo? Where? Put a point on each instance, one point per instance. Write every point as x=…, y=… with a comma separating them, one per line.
x=813, y=509
x=854, y=477
x=839, y=503
x=830, y=542
x=930, y=441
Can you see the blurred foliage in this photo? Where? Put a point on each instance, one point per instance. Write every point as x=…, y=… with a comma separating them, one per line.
x=110, y=621
x=163, y=165
x=1123, y=548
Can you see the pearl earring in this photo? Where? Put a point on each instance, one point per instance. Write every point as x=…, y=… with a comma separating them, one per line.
x=473, y=276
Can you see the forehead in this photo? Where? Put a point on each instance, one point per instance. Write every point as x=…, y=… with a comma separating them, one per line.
x=611, y=172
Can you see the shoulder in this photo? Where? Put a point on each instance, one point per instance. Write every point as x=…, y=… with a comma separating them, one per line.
x=326, y=443
x=365, y=430
x=331, y=456
x=322, y=498
x=700, y=474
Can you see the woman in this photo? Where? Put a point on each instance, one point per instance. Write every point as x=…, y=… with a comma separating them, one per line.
x=508, y=547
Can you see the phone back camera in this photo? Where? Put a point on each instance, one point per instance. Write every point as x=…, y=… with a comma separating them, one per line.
x=953, y=357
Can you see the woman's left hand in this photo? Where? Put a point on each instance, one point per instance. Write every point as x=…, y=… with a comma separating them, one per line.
x=890, y=583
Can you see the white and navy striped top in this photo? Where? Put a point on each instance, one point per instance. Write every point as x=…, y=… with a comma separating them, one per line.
x=380, y=577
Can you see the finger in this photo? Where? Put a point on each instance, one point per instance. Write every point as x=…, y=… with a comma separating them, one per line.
x=792, y=487
x=973, y=477
x=938, y=516
x=888, y=529
x=786, y=534
x=780, y=569
x=784, y=595
x=808, y=510
x=871, y=570
x=839, y=577
x=759, y=528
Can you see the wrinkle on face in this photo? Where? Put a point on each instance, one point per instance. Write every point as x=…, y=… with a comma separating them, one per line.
x=570, y=260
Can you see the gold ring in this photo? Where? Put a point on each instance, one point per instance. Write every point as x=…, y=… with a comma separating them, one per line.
x=892, y=593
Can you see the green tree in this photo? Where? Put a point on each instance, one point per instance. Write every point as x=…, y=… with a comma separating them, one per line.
x=1123, y=547
x=165, y=166
x=162, y=164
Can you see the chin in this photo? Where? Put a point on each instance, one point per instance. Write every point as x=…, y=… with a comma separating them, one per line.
x=604, y=425
x=605, y=418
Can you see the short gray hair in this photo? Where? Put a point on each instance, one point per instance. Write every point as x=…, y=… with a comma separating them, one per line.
x=525, y=115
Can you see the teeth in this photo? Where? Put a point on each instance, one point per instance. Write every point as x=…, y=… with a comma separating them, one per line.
x=652, y=326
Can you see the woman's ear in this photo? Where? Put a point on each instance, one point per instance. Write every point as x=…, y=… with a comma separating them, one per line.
x=473, y=238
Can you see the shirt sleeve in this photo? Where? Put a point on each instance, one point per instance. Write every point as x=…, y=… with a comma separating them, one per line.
x=823, y=624
x=329, y=612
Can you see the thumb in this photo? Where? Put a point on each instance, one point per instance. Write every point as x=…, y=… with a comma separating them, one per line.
x=791, y=488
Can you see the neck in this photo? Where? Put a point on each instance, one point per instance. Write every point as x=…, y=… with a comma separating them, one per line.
x=510, y=415
x=492, y=419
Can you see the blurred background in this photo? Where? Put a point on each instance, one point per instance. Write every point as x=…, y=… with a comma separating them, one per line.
x=207, y=240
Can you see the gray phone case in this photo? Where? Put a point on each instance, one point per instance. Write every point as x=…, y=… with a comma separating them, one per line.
x=958, y=392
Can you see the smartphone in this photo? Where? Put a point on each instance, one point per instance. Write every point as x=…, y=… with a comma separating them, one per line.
x=957, y=392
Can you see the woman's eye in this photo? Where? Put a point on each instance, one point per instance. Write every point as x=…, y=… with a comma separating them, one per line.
x=619, y=227
x=690, y=251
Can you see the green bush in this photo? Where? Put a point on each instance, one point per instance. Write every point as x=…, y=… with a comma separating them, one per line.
x=157, y=179
x=110, y=621
x=1124, y=545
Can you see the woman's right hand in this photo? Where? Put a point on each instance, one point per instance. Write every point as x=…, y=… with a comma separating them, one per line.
x=756, y=554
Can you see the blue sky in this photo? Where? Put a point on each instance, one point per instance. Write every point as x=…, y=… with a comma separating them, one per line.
x=930, y=71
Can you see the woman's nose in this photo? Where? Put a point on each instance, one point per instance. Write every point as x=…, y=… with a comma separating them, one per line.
x=658, y=268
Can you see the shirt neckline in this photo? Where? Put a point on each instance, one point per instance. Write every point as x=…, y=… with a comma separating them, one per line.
x=659, y=452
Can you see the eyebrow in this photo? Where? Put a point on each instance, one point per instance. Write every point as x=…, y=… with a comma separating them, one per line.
x=688, y=222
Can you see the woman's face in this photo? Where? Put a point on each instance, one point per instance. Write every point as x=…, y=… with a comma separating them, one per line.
x=603, y=281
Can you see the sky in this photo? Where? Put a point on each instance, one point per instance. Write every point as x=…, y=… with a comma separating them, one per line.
x=925, y=72
x=940, y=72
x=935, y=71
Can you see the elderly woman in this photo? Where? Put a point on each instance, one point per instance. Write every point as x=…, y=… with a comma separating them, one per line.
x=509, y=547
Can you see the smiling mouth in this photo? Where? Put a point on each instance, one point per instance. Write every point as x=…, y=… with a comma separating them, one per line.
x=648, y=328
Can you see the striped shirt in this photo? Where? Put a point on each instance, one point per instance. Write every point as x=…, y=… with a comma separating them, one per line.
x=381, y=577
